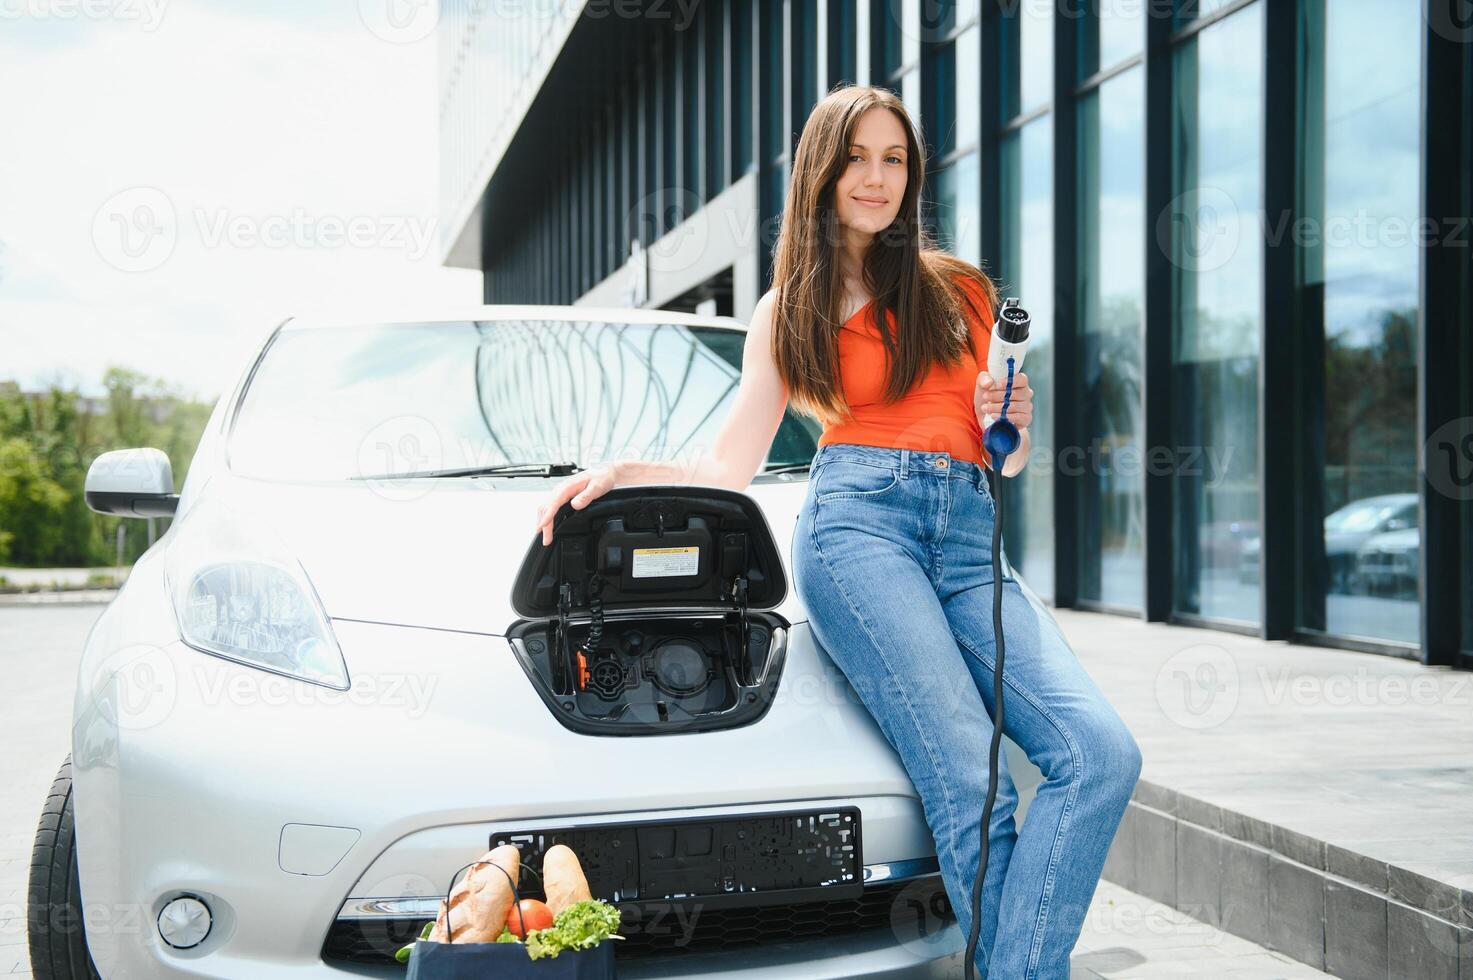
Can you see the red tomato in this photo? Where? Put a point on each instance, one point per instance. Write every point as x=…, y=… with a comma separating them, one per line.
x=534, y=915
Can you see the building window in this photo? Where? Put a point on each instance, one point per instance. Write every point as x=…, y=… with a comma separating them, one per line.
x=940, y=102
x=772, y=79
x=1217, y=265
x=1109, y=403
x=804, y=64
x=885, y=38
x=895, y=27
x=647, y=218
x=841, y=42
x=1360, y=572
x=969, y=90
x=670, y=139
x=741, y=83
x=1028, y=60
x=1115, y=35
x=950, y=106
x=715, y=69
x=955, y=208
x=689, y=200
x=1026, y=268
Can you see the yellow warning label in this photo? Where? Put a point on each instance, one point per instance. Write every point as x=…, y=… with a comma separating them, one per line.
x=662, y=562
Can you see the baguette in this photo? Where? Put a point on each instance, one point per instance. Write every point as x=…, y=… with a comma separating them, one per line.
x=482, y=900
x=562, y=878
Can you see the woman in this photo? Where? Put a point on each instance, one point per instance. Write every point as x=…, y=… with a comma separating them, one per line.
x=891, y=553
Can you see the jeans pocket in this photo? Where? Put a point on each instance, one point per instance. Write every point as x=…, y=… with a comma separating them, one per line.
x=988, y=502
x=841, y=478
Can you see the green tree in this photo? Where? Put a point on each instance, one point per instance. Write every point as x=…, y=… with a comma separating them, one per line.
x=49, y=439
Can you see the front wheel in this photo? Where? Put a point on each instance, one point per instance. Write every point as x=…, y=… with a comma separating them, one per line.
x=54, y=924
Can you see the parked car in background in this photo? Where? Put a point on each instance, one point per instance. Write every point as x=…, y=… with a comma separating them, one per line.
x=1346, y=530
x=1386, y=565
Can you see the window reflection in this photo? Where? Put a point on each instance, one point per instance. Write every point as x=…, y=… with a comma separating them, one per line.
x=1027, y=269
x=968, y=73
x=1114, y=35
x=1217, y=262
x=954, y=194
x=332, y=403
x=1031, y=45
x=1110, y=462
x=1361, y=572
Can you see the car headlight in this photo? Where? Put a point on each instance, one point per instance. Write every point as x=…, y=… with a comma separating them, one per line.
x=238, y=595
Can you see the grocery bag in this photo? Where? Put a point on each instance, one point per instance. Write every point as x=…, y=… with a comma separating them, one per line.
x=505, y=961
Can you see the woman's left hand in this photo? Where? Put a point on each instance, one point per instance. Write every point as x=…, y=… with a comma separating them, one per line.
x=987, y=400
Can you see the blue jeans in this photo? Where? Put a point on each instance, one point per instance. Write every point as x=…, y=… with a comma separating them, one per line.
x=892, y=556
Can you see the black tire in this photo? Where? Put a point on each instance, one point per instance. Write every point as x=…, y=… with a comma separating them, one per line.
x=54, y=924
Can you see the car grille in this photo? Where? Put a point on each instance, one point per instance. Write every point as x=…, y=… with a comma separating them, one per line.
x=909, y=908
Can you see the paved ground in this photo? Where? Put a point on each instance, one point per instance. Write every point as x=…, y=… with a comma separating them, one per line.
x=39, y=649
x=1368, y=752
x=1125, y=935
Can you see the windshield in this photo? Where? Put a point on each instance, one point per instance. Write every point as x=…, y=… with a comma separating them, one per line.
x=366, y=400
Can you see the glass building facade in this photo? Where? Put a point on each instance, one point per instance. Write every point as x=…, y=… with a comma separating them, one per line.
x=1240, y=226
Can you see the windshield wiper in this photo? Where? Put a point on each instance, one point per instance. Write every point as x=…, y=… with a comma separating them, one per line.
x=501, y=469
x=788, y=468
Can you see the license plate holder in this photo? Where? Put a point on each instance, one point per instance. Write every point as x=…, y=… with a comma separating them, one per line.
x=757, y=859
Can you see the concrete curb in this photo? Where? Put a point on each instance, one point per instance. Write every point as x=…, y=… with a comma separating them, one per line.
x=1321, y=904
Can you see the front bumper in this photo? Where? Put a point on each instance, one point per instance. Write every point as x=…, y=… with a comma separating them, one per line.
x=280, y=804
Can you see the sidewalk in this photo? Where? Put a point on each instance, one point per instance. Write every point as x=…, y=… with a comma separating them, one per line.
x=53, y=585
x=1316, y=801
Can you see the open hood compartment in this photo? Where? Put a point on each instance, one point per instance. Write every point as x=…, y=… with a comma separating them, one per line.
x=649, y=612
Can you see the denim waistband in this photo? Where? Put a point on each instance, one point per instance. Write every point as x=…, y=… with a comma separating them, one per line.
x=907, y=462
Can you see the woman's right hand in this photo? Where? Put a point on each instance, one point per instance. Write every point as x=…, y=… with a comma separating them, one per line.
x=582, y=488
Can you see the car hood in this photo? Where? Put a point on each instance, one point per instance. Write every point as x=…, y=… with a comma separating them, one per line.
x=439, y=553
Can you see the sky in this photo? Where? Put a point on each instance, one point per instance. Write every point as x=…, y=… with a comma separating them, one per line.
x=177, y=178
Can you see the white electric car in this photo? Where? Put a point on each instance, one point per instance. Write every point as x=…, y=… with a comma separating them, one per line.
x=350, y=666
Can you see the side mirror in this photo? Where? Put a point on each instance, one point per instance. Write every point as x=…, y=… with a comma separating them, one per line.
x=131, y=483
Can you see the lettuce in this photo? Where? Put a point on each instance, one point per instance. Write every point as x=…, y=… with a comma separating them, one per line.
x=581, y=925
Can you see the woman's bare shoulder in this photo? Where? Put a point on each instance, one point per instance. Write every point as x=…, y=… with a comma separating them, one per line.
x=761, y=318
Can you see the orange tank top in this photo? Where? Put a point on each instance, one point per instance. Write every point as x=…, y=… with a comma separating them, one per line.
x=936, y=415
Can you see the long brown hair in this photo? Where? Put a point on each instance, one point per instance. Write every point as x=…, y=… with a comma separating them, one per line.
x=908, y=276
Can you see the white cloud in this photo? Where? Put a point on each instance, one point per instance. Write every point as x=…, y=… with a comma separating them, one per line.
x=297, y=155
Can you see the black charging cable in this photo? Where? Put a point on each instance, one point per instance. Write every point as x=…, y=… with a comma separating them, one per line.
x=1001, y=439
x=595, y=635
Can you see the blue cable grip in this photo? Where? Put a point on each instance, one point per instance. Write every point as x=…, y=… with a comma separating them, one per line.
x=1002, y=437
